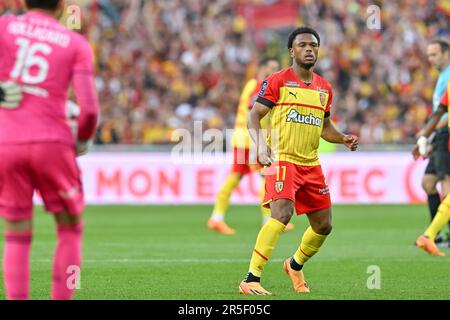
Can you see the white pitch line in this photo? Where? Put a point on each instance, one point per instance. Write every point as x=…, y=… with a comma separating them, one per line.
x=380, y=260
x=161, y=260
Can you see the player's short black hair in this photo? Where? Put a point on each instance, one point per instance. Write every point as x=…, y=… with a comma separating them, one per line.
x=42, y=4
x=301, y=30
x=442, y=44
x=265, y=60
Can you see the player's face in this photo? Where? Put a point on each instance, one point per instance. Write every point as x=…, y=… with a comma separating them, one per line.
x=305, y=49
x=435, y=56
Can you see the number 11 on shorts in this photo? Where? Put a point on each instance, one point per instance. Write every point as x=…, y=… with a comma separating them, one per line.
x=281, y=171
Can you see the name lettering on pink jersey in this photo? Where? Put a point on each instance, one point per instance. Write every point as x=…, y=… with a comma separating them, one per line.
x=21, y=28
x=45, y=58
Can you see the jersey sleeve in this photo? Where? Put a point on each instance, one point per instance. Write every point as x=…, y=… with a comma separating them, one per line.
x=269, y=94
x=329, y=102
x=444, y=100
x=84, y=61
x=84, y=86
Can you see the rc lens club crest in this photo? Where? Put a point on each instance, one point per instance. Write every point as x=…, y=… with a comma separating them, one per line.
x=279, y=186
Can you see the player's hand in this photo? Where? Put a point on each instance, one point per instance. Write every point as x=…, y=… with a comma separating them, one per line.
x=83, y=147
x=351, y=142
x=10, y=95
x=422, y=143
x=422, y=148
x=265, y=156
x=415, y=152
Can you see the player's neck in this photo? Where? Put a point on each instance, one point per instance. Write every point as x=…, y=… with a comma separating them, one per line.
x=50, y=13
x=305, y=75
x=446, y=65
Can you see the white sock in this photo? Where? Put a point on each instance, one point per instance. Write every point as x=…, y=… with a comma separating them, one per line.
x=217, y=217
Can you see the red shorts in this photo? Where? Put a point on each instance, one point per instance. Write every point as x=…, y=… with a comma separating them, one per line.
x=49, y=168
x=303, y=185
x=242, y=163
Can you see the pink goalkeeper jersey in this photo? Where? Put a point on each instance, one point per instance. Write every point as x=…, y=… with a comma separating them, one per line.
x=44, y=57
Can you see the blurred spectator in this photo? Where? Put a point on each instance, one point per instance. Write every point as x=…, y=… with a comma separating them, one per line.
x=163, y=64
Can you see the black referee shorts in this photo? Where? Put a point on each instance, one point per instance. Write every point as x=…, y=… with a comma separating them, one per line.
x=439, y=163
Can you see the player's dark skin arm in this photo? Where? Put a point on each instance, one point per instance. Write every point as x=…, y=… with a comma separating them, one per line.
x=255, y=115
x=331, y=134
x=432, y=122
x=429, y=128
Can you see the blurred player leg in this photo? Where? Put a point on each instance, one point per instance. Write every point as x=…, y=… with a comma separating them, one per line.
x=445, y=187
x=440, y=220
x=429, y=182
x=427, y=240
x=16, y=208
x=16, y=259
x=61, y=190
x=67, y=259
x=217, y=220
x=437, y=172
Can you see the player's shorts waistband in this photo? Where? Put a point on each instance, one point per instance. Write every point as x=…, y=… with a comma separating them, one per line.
x=442, y=131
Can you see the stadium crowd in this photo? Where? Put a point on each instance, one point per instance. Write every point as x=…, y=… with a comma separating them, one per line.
x=164, y=64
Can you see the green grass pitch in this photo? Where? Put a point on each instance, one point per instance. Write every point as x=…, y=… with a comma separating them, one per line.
x=166, y=252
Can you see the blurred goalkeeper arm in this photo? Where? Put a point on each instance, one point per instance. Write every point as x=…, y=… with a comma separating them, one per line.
x=84, y=87
x=10, y=95
x=420, y=149
x=83, y=82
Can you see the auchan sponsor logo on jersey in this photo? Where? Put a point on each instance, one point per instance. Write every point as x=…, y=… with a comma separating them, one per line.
x=294, y=116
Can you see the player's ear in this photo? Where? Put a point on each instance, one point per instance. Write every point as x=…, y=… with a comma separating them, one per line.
x=60, y=9
x=291, y=52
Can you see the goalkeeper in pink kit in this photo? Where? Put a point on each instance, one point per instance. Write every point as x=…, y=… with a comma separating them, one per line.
x=39, y=59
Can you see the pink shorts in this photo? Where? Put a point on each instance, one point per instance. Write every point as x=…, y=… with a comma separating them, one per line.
x=49, y=168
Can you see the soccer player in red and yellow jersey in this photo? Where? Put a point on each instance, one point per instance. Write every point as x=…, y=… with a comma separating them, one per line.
x=241, y=149
x=298, y=101
x=427, y=240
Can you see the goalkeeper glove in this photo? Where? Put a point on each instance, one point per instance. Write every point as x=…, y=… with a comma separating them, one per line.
x=83, y=147
x=422, y=143
x=10, y=95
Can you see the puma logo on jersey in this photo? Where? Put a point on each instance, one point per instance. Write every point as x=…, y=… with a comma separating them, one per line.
x=294, y=116
x=294, y=94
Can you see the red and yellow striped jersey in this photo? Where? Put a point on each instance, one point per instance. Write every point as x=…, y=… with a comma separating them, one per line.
x=445, y=101
x=241, y=138
x=297, y=115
